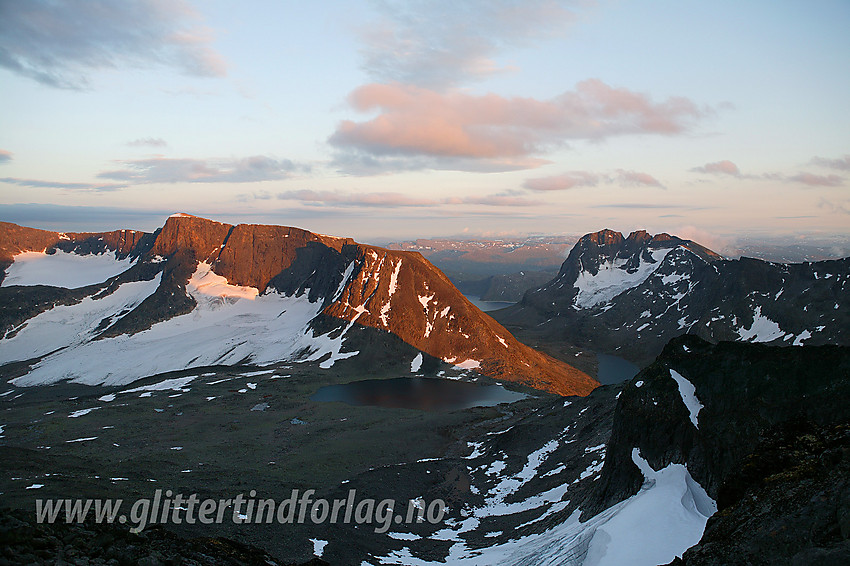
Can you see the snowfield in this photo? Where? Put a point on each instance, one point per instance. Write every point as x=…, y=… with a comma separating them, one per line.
x=611, y=280
x=665, y=518
x=62, y=269
x=229, y=324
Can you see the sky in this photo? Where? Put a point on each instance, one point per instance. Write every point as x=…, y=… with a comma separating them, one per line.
x=394, y=120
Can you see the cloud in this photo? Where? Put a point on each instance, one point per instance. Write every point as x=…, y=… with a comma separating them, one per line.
x=837, y=208
x=724, y=167
x=360, y=163
x=59, y=42
x=842, y=163
x=165, y=170
x=563, y=182
x=397, y=200
x=443, y=43
x=817, y=180
x=147, y=142
x=494, y=200
x=729, y=168
x=39, y=184
x=5, y=156
x=390, y=200
x=636, y=178
x=419, y=122
x=574, y=179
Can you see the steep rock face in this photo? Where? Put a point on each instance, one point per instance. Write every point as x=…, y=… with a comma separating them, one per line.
x=391, y=291
x=395, y=291
x=740, y=392
x=630, y=296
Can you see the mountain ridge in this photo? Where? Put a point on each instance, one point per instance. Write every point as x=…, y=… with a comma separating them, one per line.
x=630, y=296
x=391, y=291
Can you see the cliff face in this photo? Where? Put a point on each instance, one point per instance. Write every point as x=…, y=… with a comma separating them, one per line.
x=391, y=291
x=395, y=291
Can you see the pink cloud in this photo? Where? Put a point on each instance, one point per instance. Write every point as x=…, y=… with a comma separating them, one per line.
x=415, y=121
x=563, y=182
x=633, y=178
x=5, y=156
x=724, y=167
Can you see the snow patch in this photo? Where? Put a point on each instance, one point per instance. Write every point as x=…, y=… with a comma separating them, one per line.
x=63, y=269
x=688, y=394
x=762, y=330
x=468, y=364
x=416, y=363
x=611, y=280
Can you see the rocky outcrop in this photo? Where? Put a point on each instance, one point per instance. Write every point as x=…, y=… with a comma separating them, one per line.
x=745, y=390
x=25, y=541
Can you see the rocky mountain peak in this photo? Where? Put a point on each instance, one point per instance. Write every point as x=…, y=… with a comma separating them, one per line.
x=324, y=287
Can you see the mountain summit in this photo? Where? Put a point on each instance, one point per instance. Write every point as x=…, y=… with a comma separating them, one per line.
x=631, y=295
x=199, y=292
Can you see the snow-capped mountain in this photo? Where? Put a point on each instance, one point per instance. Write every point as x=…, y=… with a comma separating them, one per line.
x=114, y=307
x=632, y=295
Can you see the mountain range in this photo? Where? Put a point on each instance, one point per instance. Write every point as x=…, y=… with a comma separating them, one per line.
x=233, y=294
x=189, y=359
x=631, y=295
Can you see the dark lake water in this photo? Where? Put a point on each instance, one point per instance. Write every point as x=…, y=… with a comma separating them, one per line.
x=423, y=393
x=488, y=305
x=613, y=369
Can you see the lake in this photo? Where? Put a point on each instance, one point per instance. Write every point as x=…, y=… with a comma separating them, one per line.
x=488, y=305
x=423, y=393
x=613, y=369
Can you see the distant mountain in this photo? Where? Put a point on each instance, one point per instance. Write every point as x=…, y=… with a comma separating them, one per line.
x=631, y=295
x=114, y=307
x=484, y=257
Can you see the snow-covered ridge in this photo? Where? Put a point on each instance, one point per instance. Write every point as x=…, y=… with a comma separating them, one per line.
x=229, y=324
x=63, y=269
x=612, y=279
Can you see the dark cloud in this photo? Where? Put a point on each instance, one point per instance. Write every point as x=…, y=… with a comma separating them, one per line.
x=166, y=170
x=5, y=156
x=59, y=42
x=40, y=184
